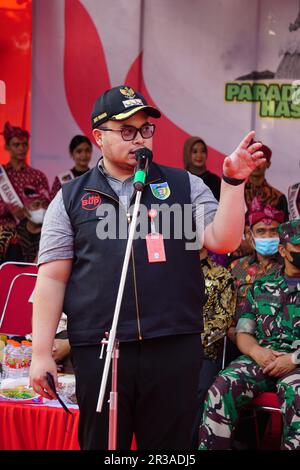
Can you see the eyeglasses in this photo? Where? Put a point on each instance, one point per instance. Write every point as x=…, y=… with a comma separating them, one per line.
x=130, y=132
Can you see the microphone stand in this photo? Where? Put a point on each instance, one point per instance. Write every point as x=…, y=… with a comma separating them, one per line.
x=112, y=343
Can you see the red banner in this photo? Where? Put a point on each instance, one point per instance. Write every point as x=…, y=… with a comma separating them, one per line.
x=15, y=69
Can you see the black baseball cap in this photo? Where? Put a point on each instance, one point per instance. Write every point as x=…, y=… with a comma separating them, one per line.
x=120, y=103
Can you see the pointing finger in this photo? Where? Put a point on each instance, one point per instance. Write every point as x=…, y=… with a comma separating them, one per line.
x=247, y=140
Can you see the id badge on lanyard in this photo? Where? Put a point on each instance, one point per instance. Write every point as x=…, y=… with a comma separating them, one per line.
x=155, y=242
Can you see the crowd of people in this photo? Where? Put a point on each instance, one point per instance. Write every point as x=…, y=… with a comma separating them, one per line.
x=241, y=283
x=24, y=199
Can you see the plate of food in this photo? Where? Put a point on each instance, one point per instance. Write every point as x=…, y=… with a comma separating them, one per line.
x=20, y=394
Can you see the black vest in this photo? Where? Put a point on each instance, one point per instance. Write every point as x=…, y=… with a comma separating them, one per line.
x=159, y=299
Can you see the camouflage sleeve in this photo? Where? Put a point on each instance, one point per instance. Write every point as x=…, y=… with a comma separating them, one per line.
x=247, y=321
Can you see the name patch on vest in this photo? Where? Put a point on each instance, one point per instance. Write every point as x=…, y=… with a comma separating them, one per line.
x=160, y=190
x=90, y=201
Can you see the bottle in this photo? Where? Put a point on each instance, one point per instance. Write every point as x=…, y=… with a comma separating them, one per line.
x=14, y=360
x=2, y=346
x=6, y=359
x=27, y=354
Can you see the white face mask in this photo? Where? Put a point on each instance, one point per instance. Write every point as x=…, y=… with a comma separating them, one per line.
x=37, y=216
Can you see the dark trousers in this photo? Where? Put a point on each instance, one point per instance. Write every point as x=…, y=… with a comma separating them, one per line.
x=208, y=373
x=157, y=393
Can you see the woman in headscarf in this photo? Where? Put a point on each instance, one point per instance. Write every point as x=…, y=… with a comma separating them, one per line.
x=195, y=156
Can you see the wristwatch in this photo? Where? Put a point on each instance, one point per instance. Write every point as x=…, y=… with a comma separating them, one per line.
x=296, y=357
x=232, y=181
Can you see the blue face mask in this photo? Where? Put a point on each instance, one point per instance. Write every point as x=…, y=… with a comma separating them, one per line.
x=266, y=246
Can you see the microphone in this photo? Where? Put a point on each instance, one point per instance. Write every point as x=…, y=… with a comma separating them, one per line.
x=143, y=157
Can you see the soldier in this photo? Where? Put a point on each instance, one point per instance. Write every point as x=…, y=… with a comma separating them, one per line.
x=268, y=335
x=263, y=222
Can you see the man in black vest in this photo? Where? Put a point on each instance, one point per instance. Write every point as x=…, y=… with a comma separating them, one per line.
x=81, y=255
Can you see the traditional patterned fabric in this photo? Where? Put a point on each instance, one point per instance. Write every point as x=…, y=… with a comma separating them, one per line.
x=20, y=179
x=28, y=242
x=219, y=308
x=18, y=244
x=265, y=213
x=271, y=314
x=35, y=194
x=9, y=132
x=246, y=270
x=268, y=195
x=7, y=236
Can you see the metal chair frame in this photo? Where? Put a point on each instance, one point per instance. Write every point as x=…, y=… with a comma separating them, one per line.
x=11, y=286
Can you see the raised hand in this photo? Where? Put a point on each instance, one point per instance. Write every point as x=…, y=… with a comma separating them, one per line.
x=244, y=159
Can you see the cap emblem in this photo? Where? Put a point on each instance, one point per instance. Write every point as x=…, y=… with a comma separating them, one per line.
x=127, y=92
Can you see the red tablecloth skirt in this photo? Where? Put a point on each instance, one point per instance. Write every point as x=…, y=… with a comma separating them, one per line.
x=36, y=427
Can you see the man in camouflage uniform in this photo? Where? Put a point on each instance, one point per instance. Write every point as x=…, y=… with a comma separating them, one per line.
x=268, y=334
x=263, y=222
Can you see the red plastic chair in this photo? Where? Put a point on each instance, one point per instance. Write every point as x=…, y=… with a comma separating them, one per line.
x=17, y=282
x=267, y=401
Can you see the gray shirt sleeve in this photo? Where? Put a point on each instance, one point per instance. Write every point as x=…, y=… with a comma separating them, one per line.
x=57, y=236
